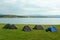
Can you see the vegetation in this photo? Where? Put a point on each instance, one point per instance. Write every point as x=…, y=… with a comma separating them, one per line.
x=9, y=16
x=18, y=34
x=16, y=16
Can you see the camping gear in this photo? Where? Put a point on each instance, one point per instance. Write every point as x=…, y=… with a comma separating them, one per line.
x=38, y=27
x=51, y=29
x=26, y=28
x=10, y=26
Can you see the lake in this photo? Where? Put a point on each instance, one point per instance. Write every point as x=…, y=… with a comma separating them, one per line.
x=30, y=20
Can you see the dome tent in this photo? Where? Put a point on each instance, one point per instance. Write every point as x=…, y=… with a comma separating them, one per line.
x=38, y=27
x=51, y=29
x=26, y=28
x=10, y=26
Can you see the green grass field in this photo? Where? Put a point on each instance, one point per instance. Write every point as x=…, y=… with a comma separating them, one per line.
x=18, y=34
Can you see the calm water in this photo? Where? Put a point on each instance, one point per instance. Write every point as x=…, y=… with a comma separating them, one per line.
x=30, y=20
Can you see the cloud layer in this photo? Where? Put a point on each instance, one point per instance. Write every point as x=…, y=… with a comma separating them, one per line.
x=30, y=7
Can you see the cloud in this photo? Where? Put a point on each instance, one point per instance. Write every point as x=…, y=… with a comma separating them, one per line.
x=30, y=7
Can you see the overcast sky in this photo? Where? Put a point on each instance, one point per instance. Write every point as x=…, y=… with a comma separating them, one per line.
x=30, y=7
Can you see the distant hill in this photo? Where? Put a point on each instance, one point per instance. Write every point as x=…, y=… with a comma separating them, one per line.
x=7, y=16
x=16, y=16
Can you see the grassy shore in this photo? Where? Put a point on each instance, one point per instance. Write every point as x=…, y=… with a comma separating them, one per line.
x=18, y=34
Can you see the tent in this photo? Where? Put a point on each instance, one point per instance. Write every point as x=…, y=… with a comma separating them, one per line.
x=51, y=29
x=38, y=27
x=10, y=26
x=26, y=28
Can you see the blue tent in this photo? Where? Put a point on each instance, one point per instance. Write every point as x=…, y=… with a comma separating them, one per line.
x=51, y=29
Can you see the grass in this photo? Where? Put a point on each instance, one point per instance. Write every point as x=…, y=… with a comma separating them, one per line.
x=18, y=34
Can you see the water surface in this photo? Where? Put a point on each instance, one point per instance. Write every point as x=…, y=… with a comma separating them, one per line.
x=30, y=20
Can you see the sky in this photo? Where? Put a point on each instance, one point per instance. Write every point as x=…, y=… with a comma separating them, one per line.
x=30, y=7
